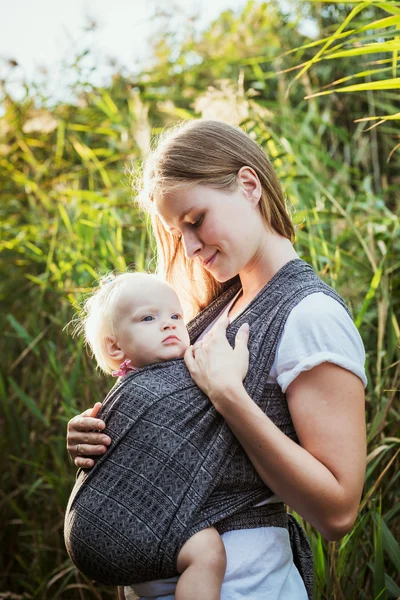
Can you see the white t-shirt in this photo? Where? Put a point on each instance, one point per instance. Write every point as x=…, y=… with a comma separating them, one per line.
x=259, y=561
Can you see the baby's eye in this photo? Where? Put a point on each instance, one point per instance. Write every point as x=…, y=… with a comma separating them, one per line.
x=175, y=316
x=148, y=318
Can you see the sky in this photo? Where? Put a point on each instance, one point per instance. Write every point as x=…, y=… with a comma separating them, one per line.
x=44, y=35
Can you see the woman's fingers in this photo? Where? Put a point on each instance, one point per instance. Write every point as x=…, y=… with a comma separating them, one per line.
x=85, y=437
x=196, y=346
x=189, y=359
x=87, y=413
x=242, y=336
x=95, y=410
x=81, y=423
x=86, y=450
x=84, y=463
x=221, y=326
x=208, y=336
x=241, y=349
x=84, y=447
x=91, y=438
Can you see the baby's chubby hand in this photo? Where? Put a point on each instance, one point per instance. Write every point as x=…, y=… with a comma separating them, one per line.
x=215, y=366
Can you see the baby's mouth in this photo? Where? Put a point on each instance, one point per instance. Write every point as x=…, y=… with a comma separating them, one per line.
x=171, y=339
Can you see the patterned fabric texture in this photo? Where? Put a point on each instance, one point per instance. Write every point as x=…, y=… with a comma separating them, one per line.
x=174, y=466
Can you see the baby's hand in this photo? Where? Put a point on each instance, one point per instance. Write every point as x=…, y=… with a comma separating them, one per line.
x=84, y=437
x=214, y=365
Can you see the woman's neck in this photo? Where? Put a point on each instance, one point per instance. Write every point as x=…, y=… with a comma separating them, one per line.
x=274, y=253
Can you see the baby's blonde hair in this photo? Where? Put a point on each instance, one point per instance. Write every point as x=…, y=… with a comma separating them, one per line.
x=97, y=320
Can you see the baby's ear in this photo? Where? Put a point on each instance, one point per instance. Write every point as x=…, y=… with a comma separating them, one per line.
x=113, y=350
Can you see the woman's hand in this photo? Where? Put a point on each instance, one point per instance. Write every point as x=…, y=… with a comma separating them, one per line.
x=84, y=437
x=214, y=365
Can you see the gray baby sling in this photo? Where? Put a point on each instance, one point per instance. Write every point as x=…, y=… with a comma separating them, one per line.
x=174, y=467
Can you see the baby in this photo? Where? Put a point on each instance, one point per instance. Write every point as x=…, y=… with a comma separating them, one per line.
x=134, y=320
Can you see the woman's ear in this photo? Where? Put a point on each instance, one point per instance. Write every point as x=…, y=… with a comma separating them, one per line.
x=250, y=183
x=113, y=350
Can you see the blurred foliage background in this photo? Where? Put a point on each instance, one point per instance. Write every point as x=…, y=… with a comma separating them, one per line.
x=326, y=110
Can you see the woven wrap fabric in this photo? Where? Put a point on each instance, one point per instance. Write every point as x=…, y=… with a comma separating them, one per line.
x=174, y=467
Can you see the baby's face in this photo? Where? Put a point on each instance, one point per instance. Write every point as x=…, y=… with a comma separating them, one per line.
x=149, y=323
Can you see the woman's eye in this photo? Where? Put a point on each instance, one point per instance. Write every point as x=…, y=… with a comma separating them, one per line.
x=198, y=222
x=148, y=318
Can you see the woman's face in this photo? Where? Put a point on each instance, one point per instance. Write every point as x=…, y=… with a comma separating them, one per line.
x=223, y=230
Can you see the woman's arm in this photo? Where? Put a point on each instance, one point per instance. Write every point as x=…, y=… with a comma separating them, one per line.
x=321, y=479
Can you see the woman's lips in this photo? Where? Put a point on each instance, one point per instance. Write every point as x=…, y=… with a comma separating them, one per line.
x=210, y=260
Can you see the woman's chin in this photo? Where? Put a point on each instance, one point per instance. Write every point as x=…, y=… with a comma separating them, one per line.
x=216, y=269
x=222, y=277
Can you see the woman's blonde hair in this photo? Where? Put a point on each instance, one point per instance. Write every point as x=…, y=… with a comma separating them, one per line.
x=209, y=153
x=97, y=319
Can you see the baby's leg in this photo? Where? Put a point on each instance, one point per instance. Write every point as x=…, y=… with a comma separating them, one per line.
x=202, y=564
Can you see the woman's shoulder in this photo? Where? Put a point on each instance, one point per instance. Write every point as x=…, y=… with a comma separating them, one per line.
x=320, y=306
x=317, y=330
x=320, y=318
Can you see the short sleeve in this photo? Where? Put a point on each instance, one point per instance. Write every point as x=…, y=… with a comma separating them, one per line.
x=317, y=330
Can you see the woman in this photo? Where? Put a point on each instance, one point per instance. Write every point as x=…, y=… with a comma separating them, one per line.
x=219, y=214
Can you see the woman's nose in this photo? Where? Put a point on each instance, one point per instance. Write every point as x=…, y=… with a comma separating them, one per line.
x=191, y=244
